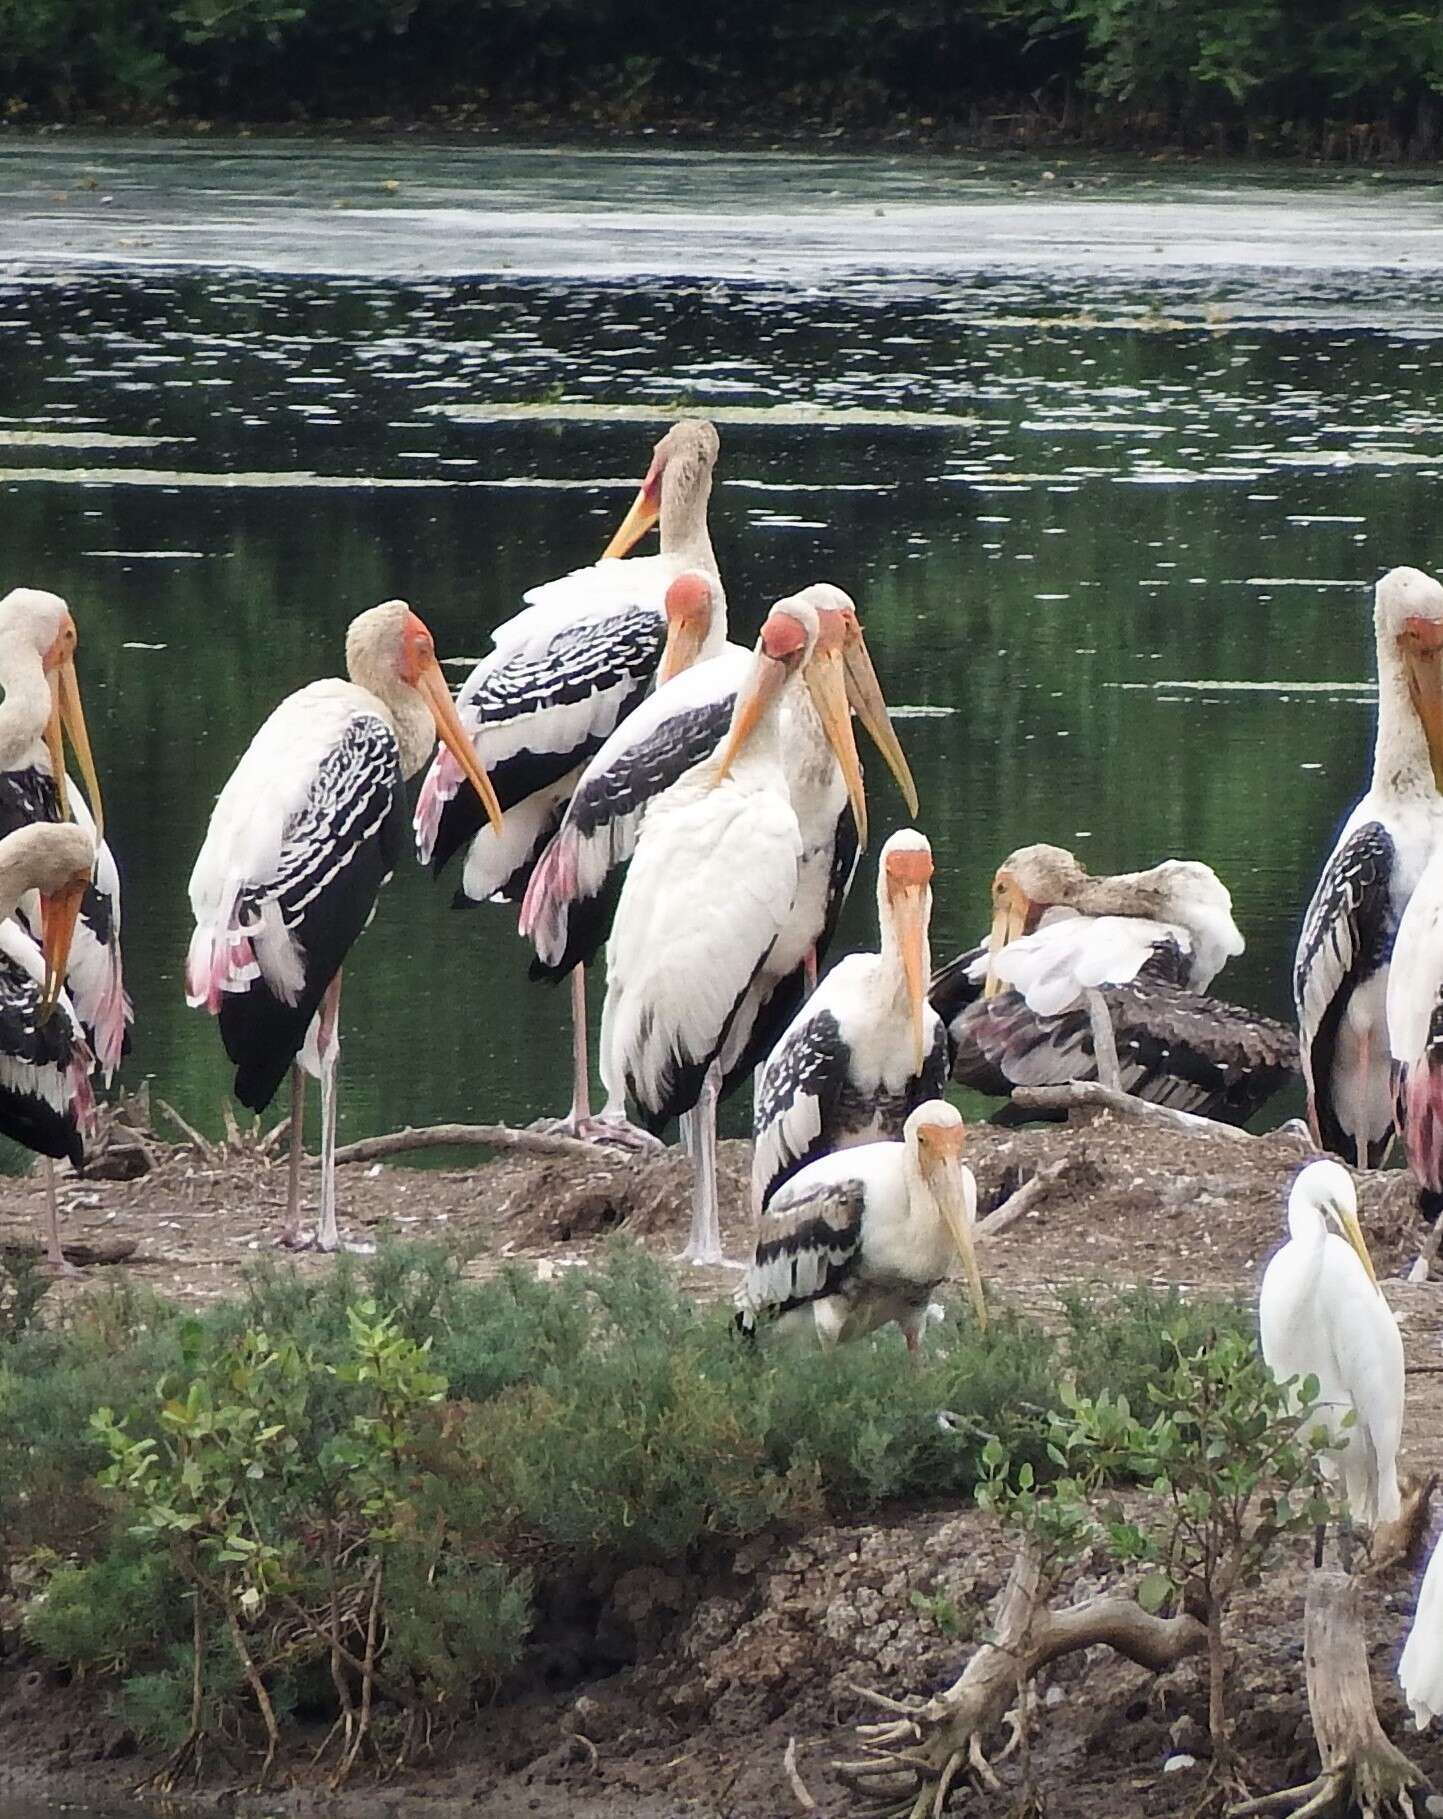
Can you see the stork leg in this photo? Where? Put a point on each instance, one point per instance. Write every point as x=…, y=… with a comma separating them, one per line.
x=704, y=1245
x=328, y=1236
x=1104, y=1042
x=298, y=1147
x=809, y=968
x=611, y=1125
x=54, y=1253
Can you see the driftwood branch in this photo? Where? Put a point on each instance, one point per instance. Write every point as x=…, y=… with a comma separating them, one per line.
x=913, y=1760
x=24, y=1243
x=1361, y=1770
x=1032, y=1192
x=1080, y=1095
x=470, y=1136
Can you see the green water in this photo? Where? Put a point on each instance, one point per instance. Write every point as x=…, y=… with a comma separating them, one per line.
x=1110, y=473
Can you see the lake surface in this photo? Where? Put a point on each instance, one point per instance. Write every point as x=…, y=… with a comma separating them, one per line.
x=1109, y=459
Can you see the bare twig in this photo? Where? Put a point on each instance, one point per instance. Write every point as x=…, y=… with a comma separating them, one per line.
x=794, y=1778
x=1079, y=1095
x=1034, y=1189
x=470, y=1136
x=188, y=1131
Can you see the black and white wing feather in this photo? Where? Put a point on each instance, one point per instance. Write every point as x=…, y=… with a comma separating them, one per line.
x=808, y=1246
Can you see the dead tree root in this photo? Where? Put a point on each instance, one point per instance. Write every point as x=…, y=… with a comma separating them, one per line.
x=914, y=1760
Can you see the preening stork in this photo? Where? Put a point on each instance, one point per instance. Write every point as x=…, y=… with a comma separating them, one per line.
x=1414, y=1014
x=1340, y=975
x=574, y=888
x=1420, y=1670
x=866, y=1049
x=309, y=827
x=46, y=1101
x=1322, y=1314
x=564, y=673
x=865, y=1235
x=1022, y=1009
x=41, y=706
x=709, y=890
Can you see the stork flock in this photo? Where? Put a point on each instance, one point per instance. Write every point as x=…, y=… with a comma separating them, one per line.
x=633, y=782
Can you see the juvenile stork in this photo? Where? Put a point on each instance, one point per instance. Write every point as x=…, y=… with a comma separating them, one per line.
x=1321, y=1314
x=709, y=890
x=574, y=888
x=866, y=1049
x=46, y=1101
x=309, y=827
x=565, y=672
x=1340, y=975
x=1075, y=962
x=864, y=1236
x=41, y=706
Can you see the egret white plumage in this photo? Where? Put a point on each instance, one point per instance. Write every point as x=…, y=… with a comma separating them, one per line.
x=1321, y=1314
x=1420, y=1669
x=564, y=673
x=864, y=1236
x=308, y=828
x=866, y=1048
x=709, y=889
x=1340, y=974
x=42, y=705
x=46, y=1101
x=1019, y=1008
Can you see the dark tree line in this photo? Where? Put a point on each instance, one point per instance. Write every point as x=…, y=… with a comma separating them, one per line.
x=1325, y=75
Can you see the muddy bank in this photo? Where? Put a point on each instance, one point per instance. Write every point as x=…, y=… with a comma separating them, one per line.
x=676, y=1691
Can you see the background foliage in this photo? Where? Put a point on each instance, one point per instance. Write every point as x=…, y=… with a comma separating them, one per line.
x=1343, y=76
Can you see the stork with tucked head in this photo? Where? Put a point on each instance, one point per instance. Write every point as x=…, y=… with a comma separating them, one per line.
x=1340, y=974
x=310, y=825
x=865, y=1236
x=866, y=1048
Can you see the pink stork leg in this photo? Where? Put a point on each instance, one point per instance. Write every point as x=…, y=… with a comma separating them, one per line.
x=54, y=1253
x=611, y=1125
x=580, y=1059
x=699, y=1134
x=298, y=1148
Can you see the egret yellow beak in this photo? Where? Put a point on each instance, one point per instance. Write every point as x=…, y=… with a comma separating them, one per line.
x=1353, y=1232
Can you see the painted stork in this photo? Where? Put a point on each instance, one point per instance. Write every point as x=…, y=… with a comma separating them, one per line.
x=864, y=1236
x=833, y=828
x=1322, y=1314
x=1414, y=1008
x=304, y=834
x=574, y=888
x=46, y=1101
x=41, y=705
x=564, y=673
x=866, y=1049
x=709, y=889
x=1073, y=960
x=1340, y=975
x=1420, y=1669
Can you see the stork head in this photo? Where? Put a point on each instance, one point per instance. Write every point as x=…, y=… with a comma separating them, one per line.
x=692, y=603
x=1324, y=1192
x=934, y=1136
x=785, y=646
x=57, y=859
x=34, y=619
x=390, y=651
x=1029, y=881
x=680, y=471
x=904, y=905
x=864, y=691
x=1408, y=614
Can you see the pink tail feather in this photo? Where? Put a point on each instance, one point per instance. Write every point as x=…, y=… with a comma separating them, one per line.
x=440, y=784
x=1420, y=1117
x=550, y=889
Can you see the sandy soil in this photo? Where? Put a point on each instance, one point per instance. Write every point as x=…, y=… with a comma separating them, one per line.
x=724, y=1660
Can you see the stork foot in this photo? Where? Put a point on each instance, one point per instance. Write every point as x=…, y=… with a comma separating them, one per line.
x=297, y=1237
x=619, y=1133
x=60, y=1267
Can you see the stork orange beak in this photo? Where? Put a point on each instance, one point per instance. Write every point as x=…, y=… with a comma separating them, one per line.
x=827, y=685
x=865, y=693
x=58, y=914
x=767, y=680
x=431, y=685
x=1009, y=920
x=909, y=892
x=645, y=510
x=68, y=716
x=1421, y=642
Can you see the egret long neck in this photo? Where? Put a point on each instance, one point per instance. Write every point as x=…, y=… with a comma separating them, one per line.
x=26, y=707
x=1401, y=766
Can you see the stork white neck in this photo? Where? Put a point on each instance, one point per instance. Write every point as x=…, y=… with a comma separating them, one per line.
x=1401, y=765
x=26, y=707
x=682, y=526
